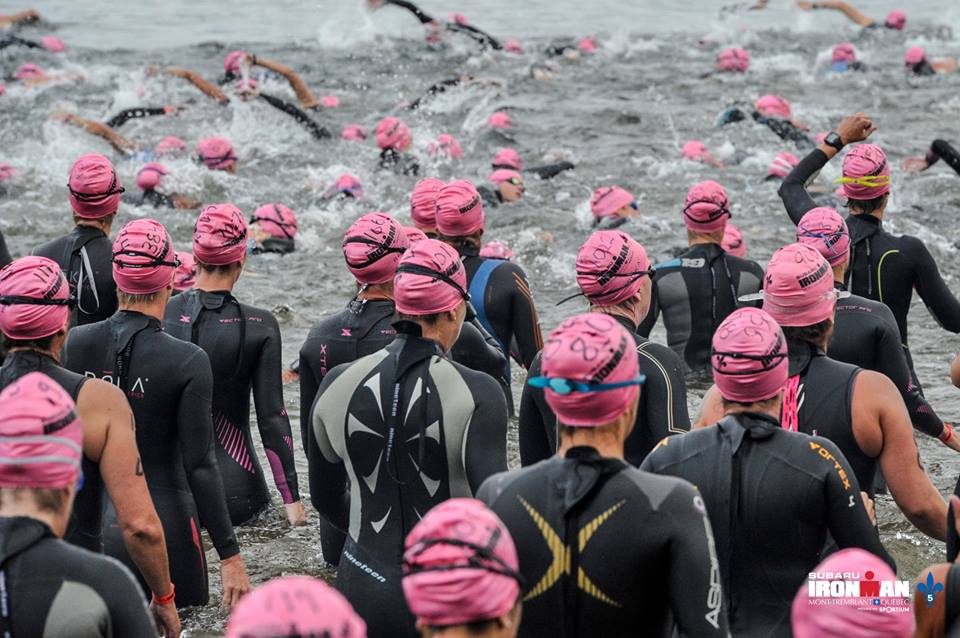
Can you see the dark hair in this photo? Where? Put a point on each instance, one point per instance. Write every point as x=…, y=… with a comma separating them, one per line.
x=34, y=344
x=46, y=500
x=814, y=334
x=758, y=405
x=467, y=241
x=477, y=628
x=430, y=320
x=866, y=206
x=225, y=269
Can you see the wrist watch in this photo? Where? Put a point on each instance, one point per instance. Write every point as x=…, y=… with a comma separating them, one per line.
x=834, y=140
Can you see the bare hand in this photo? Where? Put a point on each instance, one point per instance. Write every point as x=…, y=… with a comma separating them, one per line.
x=856, y=128
x=233, y=574
x=868, y=504
x=296, y=516
x=289, y=376
x=167, y=619
x=806, y=6
x=915, y=164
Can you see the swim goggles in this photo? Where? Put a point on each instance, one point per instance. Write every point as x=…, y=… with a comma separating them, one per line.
x=720, y=211
x=154, y=262
x=870, y=181
x=767, y=361
x=561, y=385
x=278, y=221
x=414, y=269
x=516, y=181
x=483, y=558
x=89, y=197
x=383, y=248
x=16, y=300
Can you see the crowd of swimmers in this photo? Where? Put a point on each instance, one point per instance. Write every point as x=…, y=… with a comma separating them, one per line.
x=129, y=367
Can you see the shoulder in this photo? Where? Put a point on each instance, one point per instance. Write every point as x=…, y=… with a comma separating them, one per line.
x=661, y=491
x=675, y=450
x=744, y=265
x=493, y=489
x=912, y=246
x=260, y=317
x=659, y=353
x=48, y=249
x=483, y=387
x=327, y=325
x=351, y=373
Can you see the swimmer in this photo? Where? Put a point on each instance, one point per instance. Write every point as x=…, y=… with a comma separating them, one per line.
x=39, y=479
x=844, y=58
x=393, y=139
x=446, y=147
x=347, y=186
x=217, y=154
x=612, y=207
x=354, y=133
x=32, y=75
x=120, y=143
x=733, y=241
x=775, y=113
x=750, y=469
x=273, y=227
x=186, y=275
x=485, y=40
x=496, y=250
x=859, y=410
x=697, y=151
x=461, y=575
x=655, y=526
x=460, y=81
x=169, y=386
x=939, y=149
x=244, y=348
x=48, y=42
x=735, y=60
x=423, y=205
x=233, y=66
x=895, y=20
x=509, y=188
x=436, y=456
x=17, y=19
x=508, y=158
x=781, y=166
x=614, y=275
x=699, y=289
x=918, y=63
x=148, y=181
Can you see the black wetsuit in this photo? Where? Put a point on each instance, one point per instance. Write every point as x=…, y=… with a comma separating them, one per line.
x=923, y=69
x=547, y=171
x=244, y=347
x=316, y=130
x=12, y=40
x=882, y=267
x=951, y=593
x=86, y=518
x=608, y=550
x=5, y=257
x=751, y=473
x=381, y=457
x=126, y=115
x=397, y=162
x=50, y=588
x=784, y=129
x=491, y=196
x=169, y=384
x=279, y=245
x=941, y=149
x=662, y=410
x=696, y=292
x=482, y=38
x=149, y=197
x=439, y=87
x=865, y=334
x=86, y=257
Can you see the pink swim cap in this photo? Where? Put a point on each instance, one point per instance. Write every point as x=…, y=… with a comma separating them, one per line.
x=773, y=106
x=94, y=187
x=295, y=606
x=220, y=235
x=706, y=208
x=896, y=19
x=733, y=243
x=170, y=145
x=414, y=235
x=28, y=72
x=496, y=250
x=144, y=260
x=430, y=279
x=512, y=46
x=394, y=134
x=149, y=175
x=372, y=247
x=346, y=184
x=446, y=145
x=233, y=61
x=354, y=133
x=216, y=152
x=3, y=88
x=587, y=45
x=508, y=158
x=277, y=220
x=914, y=55
x=749, y=356
x=329, y=101
x=611, y=266
x=798, y=287
x=423, y=203
x=7, y=172
x=782, y=164
x=504, y=175
x=246, y=87
x=844, y=52
x=736, y=60
x=53, y=43
x=34, y=299
x=607, y=200
x=459, y=209
x=866, y=172
x=41, y=439
x=499, y=120
x=460, y=565
x=591, y=373
x=812, y=620
x=186, y=274
x=458, y=18
x=697, y=151
x=826, y=231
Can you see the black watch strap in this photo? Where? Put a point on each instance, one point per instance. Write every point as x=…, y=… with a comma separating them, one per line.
x=834, y=140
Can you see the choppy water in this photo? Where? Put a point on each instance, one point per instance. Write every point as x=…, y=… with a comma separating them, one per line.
x=621, y=115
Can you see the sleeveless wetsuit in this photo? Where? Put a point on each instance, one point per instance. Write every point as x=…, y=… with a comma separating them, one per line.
x=941, y=149
x=865, y=334
x=750, y=472
x=52, y=589
x=608, y=550
x=662, y=410
x=696, y=292
x=244, y=347
x=86, y=258
x=883, y=267
x=86, y=518
x=381, y=457
x=168, y=384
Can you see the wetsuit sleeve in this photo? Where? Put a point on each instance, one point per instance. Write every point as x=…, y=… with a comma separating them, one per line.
x=523, y=314
x=195, y=432
x=412, y=8
x=646, y=326
x=846, y=515
x=940, y=149
x=785, y=130
x=302, y=118
x=793, y=190
x=666, y=402
x=11, y=40
x=328, y=476
x=535, y=444
x=550, y=171
x=931, y=287
x=128, y=610
x=5, y=257
x=272, y=418
x=695, y=592
x=481, y=37
x=130, y=114
x=309, y=384
x=439, y=87
x=485, y=444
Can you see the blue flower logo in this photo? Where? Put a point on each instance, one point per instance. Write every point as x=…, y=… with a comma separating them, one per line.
x=930, y=589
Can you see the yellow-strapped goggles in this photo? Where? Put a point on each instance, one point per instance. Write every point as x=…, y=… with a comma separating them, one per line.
x=870, y=181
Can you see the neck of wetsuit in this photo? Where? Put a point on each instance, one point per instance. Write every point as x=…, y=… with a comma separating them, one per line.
x=623, y=321
x=24, y=353
x=839, y=285
x=466, y=250
x=759, y=425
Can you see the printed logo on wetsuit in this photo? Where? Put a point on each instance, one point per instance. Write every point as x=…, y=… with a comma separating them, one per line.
x=858, y=589
x=826, y=455
x=815, y=276
x=137, y=389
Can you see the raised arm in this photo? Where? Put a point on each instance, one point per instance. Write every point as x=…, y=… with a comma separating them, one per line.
x=23, y=17
x=851, y=12
x=119, y=142
x=485, y=444
x=306, y=97
x=207, y=87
